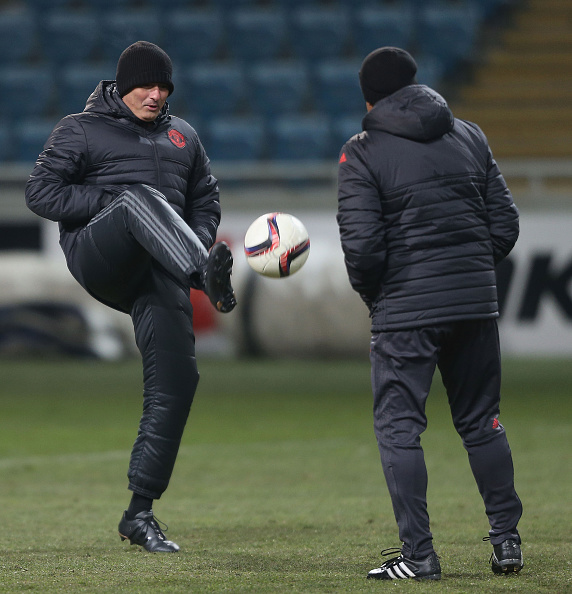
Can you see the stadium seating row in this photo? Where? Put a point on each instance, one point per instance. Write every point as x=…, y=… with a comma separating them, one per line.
x=207, y=89
x=254, y=76
x=487, y=6
x=294, y=137
x=446, y=32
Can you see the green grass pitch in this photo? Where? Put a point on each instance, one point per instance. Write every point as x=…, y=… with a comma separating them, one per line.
x=278, y=486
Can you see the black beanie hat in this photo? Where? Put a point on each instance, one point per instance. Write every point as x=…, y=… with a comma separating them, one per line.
x=385, y=71
x=143, y=63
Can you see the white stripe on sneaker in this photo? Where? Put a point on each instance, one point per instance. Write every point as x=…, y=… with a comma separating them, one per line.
x=391, y=574
x=406, y=570
x=399, y=571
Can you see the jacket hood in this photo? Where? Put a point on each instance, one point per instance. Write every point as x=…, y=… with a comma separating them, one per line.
x=416, y=112
x=106, y=100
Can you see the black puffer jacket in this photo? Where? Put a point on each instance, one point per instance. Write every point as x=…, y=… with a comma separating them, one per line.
x=93, y=156
x=424, y=214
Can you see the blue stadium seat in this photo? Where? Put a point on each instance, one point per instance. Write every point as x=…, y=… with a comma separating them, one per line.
x=212, y=89
x=383, y=25
x=336, y=87
x=256, y=34
x=430, y=71
x=178, y=104
x=121, y=28
x=448, y=32
x=30, y=136
x=278, y=87
x=344, y=127
x=176, y=5
x=7, y=152
x=487, y=8
x=69, y=36
x=292, y=4
x=235, y=139
x=28, y=91
x=77, y=83
x=302, y=137
x=104, y=6
x=320, y=32
x=192, y=35
x=40, y=6
x=229, y=4
x=17, y=35
x=359, y=4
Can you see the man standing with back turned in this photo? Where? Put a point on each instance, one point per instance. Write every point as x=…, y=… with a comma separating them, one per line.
x=138, y=211
x=424, y=216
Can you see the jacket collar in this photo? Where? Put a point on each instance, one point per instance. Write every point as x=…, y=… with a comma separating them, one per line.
x=106, y=100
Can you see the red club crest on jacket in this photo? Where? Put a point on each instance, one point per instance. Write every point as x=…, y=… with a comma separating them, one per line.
x=177, y=138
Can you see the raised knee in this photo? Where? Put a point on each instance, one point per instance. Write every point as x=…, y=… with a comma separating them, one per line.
x=145, y=192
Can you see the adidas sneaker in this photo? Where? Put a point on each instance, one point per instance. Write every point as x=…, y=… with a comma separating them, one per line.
x=402, y=568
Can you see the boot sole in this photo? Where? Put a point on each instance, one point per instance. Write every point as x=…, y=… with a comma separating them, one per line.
x=222, y=270
x=511, y=567
x=420, y=578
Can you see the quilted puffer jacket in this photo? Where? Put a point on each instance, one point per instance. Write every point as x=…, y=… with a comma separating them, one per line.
x=93, y=156
x=424, y=214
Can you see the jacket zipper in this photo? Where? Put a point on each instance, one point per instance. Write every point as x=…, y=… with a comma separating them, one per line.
x=156, y=158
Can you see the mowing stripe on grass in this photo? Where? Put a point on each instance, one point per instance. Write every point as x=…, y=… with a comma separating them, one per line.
x=95, y=457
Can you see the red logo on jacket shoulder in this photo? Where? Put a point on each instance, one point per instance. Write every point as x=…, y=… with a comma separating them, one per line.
x=177, y=138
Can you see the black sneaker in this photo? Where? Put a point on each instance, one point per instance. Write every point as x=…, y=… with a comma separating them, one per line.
x=401, y=568
x=507, y=557
x=144, y=530
x=217, y=278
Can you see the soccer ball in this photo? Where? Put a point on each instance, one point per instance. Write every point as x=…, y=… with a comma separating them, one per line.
x=276, y=245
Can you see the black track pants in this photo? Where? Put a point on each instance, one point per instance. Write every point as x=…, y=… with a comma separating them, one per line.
x=140, y=257
x=403, y=365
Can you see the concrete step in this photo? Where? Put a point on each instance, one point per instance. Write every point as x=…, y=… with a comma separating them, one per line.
x=542, y=95
x=556, y=116
x=551, y=5
x=538, y=42
x=511, y=147
x=543, y=20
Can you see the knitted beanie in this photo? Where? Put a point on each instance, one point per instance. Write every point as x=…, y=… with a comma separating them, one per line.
x=143, y=63
x=385, y=71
